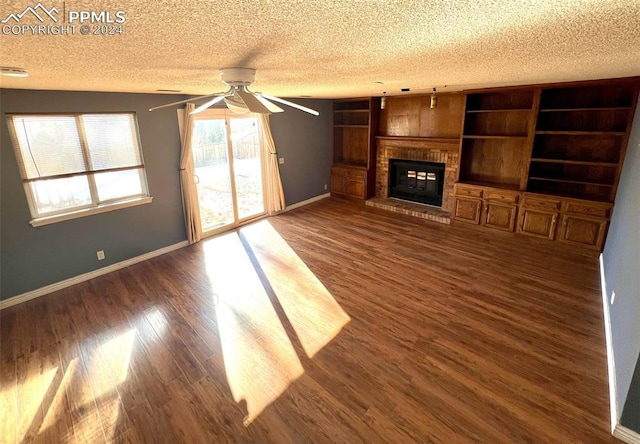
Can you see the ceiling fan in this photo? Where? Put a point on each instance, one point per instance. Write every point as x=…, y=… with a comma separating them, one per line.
x=238, y=98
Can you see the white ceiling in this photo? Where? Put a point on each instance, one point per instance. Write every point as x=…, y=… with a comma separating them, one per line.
x=328, y=48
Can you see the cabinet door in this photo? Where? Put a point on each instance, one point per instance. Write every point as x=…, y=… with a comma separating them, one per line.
x=467, y=210
x=584, y=231
x=338, y=185
x=502, y=217
x=356, y=188
x=537, y=223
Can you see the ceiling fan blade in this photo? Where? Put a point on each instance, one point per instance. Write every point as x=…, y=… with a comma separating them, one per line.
x=291, y=104
x=236, y=105
x=252, y=102
x=208, y=104
x=271, y=106
x=183, y=101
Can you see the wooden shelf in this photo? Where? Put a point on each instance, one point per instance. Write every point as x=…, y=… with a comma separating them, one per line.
x=354, y=156
x=504, y=110
x=469, y=136
x=575, y=162
x=571, y=194
x=358, y=166
x=584, y=133
x=602, y=108
x=485, y=183
x=577, y=182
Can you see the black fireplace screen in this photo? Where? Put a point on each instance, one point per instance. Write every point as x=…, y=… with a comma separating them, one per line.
x=421, y=182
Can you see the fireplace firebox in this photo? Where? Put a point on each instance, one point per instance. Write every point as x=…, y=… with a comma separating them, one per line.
x=420, y=182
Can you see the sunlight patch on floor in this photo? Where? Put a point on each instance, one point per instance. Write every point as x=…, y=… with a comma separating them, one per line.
x=313, y=312
x=260, y=361
x=31, y=393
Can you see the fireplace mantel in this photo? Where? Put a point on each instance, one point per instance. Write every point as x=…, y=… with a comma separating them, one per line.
x=426, y=143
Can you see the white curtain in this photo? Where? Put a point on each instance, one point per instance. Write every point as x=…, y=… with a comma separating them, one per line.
x=190, y=204
x=274, y=194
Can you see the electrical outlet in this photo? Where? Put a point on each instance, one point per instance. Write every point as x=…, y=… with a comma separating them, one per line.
x=100, y=255
x=281, y=160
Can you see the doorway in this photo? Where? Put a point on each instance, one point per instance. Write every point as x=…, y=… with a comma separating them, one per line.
x=228, y=165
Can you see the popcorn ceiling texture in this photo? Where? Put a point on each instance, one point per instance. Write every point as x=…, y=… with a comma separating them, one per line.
x=330, y=48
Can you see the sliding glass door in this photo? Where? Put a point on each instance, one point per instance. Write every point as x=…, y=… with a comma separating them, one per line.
x=228, y=168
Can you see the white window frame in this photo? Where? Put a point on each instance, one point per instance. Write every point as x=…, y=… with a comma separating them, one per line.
x=96, y=206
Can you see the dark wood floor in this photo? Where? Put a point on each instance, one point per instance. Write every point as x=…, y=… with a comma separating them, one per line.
x=332, y=323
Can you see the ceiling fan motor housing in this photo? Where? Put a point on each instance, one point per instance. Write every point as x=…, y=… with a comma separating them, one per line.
x=235, y=77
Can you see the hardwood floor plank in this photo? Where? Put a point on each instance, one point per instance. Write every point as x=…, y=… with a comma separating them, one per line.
x=331, y=323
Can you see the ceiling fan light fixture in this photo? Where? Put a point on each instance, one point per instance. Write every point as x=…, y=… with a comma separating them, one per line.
x=238, y=98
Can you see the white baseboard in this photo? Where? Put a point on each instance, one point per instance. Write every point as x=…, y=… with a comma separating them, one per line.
x=611, y=365
x=626, y=435
x=307, y=202
x=86, y=276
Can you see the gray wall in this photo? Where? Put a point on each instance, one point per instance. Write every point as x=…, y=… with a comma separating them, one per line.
x=305, y=141
x=31, y=258
x=621, y=267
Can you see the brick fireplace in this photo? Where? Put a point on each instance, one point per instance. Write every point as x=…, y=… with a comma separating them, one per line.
x=419, y=149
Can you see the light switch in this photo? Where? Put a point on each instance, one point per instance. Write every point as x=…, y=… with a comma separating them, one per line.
x=281, y=160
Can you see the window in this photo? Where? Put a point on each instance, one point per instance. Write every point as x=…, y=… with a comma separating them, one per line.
x=73, y=165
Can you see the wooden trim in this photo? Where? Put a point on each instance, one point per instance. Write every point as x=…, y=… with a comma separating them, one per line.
x=558, y=84
x=42, y=291
x=426, y=143
x=624, y=143
x=531, y=130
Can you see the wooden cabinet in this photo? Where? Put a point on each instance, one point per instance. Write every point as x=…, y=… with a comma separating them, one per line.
x=559, y=148
x=583, y=231
x=499, y=216
x=467, y=209
x=584, y=223
x=486, y=206
x=577, y=222
x=355, y=123
x=500, y=209
x=349, y=182
x=538, y=216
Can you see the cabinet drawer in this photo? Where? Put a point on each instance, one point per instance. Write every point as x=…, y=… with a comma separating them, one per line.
x=588, y=209
x=498, y=196
x=339, y=171
x=541, y=204
x=462, y=190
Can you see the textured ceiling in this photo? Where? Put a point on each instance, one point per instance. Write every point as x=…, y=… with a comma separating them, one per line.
x=328, y=49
